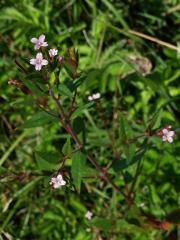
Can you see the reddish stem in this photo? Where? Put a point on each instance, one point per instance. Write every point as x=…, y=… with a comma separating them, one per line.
x=67, y=126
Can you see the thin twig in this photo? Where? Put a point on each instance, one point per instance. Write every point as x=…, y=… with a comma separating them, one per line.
x=57, y=101
x=153, y=39
x=104, y=174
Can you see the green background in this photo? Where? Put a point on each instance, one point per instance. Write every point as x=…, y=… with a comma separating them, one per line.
x=131, y=101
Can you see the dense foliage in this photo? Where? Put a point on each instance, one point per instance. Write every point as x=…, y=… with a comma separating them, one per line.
x=110, y=150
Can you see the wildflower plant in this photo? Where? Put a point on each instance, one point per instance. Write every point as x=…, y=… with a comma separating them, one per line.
x=48, y=88
x=54, y=80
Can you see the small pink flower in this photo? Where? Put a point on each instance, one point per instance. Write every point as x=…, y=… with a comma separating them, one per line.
x=53, y=52
x=88, y=215
x=57, y=181
x=39, y=42
x=38, y=61
x=168, y=135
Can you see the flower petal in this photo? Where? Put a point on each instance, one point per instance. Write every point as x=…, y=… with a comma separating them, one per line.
x=33, y=61
x=39, y=56
x=34, y=40
x=44, y=62
x=165, y=131
x=53, y=180
x=171, y=133
x=164, y=138
x=63, y=183
x=38, y=67
x=37, y=46
x=90, y=98
x=170, y=139
x=56, y=185
x=42, y=38
x=44, y=44
x=59, y=177
x=53, y=52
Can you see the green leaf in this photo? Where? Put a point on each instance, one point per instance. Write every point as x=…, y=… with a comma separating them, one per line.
x=89, y=172
x=80, y=110
x=122, y=130
x=73, y=85
x=39, y=119
x=123, y=163
x=43, y=164
x=27, y=187
x=78, y=168
x=125, y=132
x=71, y=70
x=129, y=151
x=52, y=78
x=13, y=14
x=125, y=227
x=156, y=119
x=48, y=215
x=63, y=90
x=79, y=125
x=101, y=223
x=50, y=156
x=34, y=77
x=77, y=204
x=34, y=87
x=117, y=14
x=67, y=146
x=2, y=170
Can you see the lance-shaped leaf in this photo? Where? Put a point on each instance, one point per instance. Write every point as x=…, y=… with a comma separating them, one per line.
x=78, y=168
x=46, y=161
x=39, y=119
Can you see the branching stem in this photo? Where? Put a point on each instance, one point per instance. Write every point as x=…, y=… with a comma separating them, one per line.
x=67, y=126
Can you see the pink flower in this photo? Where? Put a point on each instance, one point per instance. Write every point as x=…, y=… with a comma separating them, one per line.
x=57, y=181
x=39, y=42
x=168, y=135
x=38, y=61
x=88, y=215
x=53, y=52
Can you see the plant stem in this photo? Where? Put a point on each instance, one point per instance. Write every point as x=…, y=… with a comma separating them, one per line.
x=72, y=105
x=67, y=126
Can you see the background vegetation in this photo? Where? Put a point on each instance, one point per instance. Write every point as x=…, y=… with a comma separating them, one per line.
x=138, y=81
